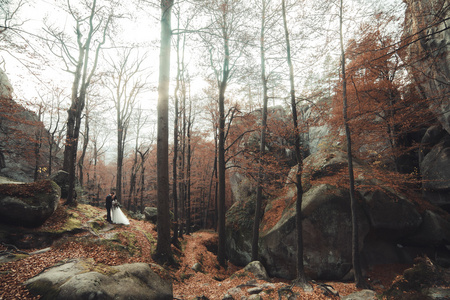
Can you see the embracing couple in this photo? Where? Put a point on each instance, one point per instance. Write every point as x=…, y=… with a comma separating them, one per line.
x=114, y=214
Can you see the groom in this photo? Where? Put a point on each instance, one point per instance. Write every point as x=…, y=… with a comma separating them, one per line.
x=109, y=200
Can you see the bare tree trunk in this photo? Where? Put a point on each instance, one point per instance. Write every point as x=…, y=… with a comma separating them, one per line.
x=188, y=170
x=142, y=180
x=355, y=239
x=82, y=80
x=120, y=150
x=83, y=152
x=301, y=278
x=37, y=146
x=262, y=145
x=163, y=251
x=221, y=209
x=133, y=175
x=175, y=149
x=359, y=279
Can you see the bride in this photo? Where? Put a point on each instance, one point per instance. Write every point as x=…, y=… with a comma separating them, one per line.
x=117, y=216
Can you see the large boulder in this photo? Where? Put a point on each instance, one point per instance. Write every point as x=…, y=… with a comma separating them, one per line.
x=80, y=279
x=392, y=227
x=28, y=204
x=434, y=231
x=327, y=236
x=390, y=213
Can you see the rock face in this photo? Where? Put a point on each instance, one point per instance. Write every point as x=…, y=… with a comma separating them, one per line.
x=82, y=279
x=20, y=132
x=326, y=234
x=435, y=166
x=425, y=22
x=28, y=205
x=391, y=229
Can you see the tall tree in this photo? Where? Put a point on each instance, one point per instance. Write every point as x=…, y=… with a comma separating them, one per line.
x=141, y=121
x=175, y=144
x=262, y=143
x=90, y=33
x=163, y=250
x=359, y=279
x=227, y=17
x=301, y=277
x=125, y=85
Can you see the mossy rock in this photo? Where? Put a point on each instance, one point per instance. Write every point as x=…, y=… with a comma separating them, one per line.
x=28, y=204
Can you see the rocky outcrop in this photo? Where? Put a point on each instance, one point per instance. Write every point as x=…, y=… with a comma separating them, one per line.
x=429, y=52
x=392, y=229
x=435, y=166
x=24, y=143
x=327, y=232
x=238, y=230
x=28, y=204
x=83, y=279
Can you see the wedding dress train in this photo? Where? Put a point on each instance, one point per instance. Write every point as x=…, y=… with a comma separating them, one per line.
x=118, y=217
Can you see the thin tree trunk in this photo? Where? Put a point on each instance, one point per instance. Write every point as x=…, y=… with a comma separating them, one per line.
x=301, y=278
x=120, y=151
x=175, y=149
x=359, y=279
x=142, y=181
x=262, y=145
x=221, y=210
x=188, y=172
x=83, y=152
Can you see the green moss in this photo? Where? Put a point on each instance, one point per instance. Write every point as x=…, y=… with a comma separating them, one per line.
x=103, y=269
x=131, y=243
x=71, y=224
x=88, y=210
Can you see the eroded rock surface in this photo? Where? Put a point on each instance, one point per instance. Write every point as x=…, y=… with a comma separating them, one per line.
x=79, y=279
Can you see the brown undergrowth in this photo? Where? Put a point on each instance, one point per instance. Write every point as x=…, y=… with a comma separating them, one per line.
x=136, y=243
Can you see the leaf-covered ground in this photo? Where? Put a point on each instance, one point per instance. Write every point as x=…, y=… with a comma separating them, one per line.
x=119, y=244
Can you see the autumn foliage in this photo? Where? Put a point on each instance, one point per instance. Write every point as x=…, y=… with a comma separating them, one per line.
x=384, y=109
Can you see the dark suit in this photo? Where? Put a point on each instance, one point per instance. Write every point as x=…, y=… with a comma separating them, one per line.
x=109, y=200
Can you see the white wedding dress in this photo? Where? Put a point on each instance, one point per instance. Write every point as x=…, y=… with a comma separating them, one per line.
x=118, y=217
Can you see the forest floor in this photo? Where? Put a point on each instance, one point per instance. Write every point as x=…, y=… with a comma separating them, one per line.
x=137, y=242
